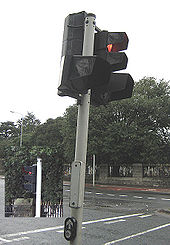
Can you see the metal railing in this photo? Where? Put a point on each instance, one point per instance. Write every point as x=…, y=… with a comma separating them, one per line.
x=161, y=171
x=120, y=171
x=52, y=210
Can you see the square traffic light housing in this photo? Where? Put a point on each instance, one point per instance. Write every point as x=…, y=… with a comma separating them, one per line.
x=30, y=175
x=107, y=46
x=120, y=87
x=73, y=34
x=80, y=73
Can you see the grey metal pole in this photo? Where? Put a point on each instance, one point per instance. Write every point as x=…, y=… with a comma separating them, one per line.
x=38, y=188
x=82, y=130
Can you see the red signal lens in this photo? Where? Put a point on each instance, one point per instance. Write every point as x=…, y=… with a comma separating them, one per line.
x=114, y=47
x=120, y=43
x=30, y=173
x=109, y=47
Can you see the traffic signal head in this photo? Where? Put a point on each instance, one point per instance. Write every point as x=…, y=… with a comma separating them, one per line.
x=30, y=175
x=113, y=41
x=120, y=86
x=81, y=73
x=107, y=46
x=73, y=34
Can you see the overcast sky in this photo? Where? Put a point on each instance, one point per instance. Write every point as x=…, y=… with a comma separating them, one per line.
x=31, y=34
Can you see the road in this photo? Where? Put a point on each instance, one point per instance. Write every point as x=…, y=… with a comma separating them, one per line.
x=125, y=200
x=110, y=217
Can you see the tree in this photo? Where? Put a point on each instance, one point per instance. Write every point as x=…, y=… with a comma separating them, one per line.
x=39, y=140
x=7, y=130
x=152, y=116
x=52, y=177
x=130, y=130
x=69, y=133
x=29, y=125
x=123, y=132
x=49, y=133
x=136, y=129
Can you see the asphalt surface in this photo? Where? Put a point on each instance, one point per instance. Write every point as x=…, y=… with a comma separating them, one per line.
x=125, y=215
x=112, y=215
x=127, y=188
x=127, y=197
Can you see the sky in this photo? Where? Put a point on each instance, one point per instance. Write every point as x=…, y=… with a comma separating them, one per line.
x=31, y=33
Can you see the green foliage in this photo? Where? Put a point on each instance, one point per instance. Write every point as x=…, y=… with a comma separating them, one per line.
x=69, y=132
x=127, y=131
x=52, y=176
x=49, y=133
x=30, y=123
x=39, y=140
x=15, y=159
x=7, y=130
x=136, y=129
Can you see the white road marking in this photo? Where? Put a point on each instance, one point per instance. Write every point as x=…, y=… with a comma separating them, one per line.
x=62, y=231
x=115, y=221
x=137, y=197
x=165, y=199
x=152, y=198
x=123, y=195
x=88, y=192
x=19, y=239
x=109, y=219
x=112, y=195
x=3, y=240
x=67, y=190
x=145, y=216
x=13, y=240
x=137, y=234
x=99, y=193
x=34, y=231
x=61, y=226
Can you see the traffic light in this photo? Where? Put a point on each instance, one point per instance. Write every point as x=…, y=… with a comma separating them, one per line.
x=73, y=34
x=30, y=175
x=107, y=46
x=81, y=73
x=72, y=45
x=120, y=85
